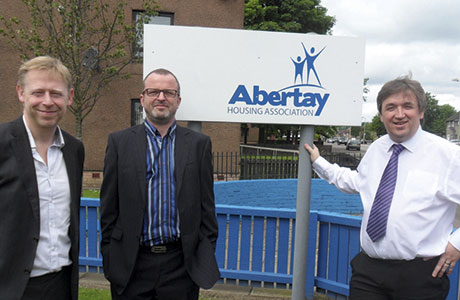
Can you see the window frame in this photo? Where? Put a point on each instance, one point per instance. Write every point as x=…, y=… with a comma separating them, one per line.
x=137, y=49
x=137, y=112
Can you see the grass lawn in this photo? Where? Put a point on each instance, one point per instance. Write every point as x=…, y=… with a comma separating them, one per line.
x=91, y=193
x=98, y=294
x=93, y=294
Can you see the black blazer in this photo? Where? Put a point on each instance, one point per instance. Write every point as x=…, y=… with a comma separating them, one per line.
x=123, y=202
x=20, y=210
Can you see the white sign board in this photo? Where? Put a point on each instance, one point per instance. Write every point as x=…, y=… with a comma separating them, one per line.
x=229, y=75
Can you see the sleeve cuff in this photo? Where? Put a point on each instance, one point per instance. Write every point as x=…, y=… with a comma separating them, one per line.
x=454, y=239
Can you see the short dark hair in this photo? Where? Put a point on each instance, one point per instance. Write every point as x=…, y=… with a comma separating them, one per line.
x=402, y=84
x=162, y=71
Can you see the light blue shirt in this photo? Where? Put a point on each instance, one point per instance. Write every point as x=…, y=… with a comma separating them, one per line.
x=161, y=220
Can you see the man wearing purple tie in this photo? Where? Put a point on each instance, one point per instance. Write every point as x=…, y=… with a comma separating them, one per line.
x=408, y=181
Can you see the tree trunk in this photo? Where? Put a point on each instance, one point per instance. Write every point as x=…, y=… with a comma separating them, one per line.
x=78, y=126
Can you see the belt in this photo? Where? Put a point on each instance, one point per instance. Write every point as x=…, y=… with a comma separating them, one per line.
x=399, y=261
x=163, y=248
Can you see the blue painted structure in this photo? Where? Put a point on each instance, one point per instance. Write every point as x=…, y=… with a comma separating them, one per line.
x=255, y=247
x=282, y=193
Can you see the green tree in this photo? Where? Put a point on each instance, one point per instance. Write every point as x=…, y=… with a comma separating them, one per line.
x=287, y=16
x=377, y=127
x=92, y=38
x=325, y=131
x=365, y=132
x=300, y=16
x=355, y=131
x=435, y=116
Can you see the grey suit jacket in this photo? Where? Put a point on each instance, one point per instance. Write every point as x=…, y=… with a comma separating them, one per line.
x=20, y=208
x=124, y=198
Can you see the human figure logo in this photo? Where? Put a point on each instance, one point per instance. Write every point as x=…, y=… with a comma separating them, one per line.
x=303, y=95
x=310, y=60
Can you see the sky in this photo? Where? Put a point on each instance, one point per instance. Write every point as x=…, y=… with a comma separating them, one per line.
x=421, y=37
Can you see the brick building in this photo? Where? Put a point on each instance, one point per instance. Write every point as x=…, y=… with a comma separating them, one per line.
x=119, y=107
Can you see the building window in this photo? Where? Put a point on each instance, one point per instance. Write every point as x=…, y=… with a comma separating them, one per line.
x=137, y=113
x=161, y=19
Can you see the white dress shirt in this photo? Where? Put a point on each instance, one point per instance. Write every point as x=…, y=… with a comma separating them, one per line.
x=425, y=199
x=54, y=194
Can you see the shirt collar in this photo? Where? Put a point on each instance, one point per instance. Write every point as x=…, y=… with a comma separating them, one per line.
x=150, y=128
x=58, y=137
x=410, y=144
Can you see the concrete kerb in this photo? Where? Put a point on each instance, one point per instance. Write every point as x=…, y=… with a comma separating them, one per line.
x=94, y=281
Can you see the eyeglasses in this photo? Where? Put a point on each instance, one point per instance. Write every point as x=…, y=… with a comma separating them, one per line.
x=154, y=93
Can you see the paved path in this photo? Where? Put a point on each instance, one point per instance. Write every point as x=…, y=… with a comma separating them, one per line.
x=219, y=291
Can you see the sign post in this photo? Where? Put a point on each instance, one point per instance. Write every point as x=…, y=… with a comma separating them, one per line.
x=302, y=214
x=258, y=77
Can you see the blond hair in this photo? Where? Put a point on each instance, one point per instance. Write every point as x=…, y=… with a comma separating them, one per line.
x=45, y=63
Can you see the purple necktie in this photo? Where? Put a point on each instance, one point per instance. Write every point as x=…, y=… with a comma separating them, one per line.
x=377, y=223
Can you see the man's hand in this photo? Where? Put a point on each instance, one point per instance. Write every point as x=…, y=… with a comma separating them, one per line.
x=447, y=261
x=314, y=152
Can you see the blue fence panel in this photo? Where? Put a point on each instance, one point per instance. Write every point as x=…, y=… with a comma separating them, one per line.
x=232, y=244
x=245, y=249
x=262, y=252
x=270, y=245
x=258, y=243
x=338, y=244
x=221, y=244
x=255, y=246
x=284, y=226
x=90, y=259
x=283, y=245
x=311, y=255
x=454, y=284
x=83, y=240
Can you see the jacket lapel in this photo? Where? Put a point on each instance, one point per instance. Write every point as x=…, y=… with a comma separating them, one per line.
x=180, y=158
x=71, y=166
x=21, y=150
x=140, y=158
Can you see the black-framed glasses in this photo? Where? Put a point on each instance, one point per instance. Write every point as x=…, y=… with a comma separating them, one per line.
x=155, y=93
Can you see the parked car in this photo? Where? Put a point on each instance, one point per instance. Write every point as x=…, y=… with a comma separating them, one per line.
x=342, y=140
x=354, y=145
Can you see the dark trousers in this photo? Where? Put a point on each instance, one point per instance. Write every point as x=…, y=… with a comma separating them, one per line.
x=159, y=277
x=380, y=279
x=53, y=286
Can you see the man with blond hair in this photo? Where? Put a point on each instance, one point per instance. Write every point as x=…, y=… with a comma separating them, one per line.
x=40, y=186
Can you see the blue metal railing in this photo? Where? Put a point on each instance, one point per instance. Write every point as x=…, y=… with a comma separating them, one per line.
x=256, y=247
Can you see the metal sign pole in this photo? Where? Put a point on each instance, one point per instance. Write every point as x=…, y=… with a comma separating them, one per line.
x=302, y=214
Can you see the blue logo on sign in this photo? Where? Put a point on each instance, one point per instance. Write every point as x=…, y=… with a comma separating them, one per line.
x=305, y=101
x=310, y=60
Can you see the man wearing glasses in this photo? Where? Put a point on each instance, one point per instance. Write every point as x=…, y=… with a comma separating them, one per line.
x=159, y=228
